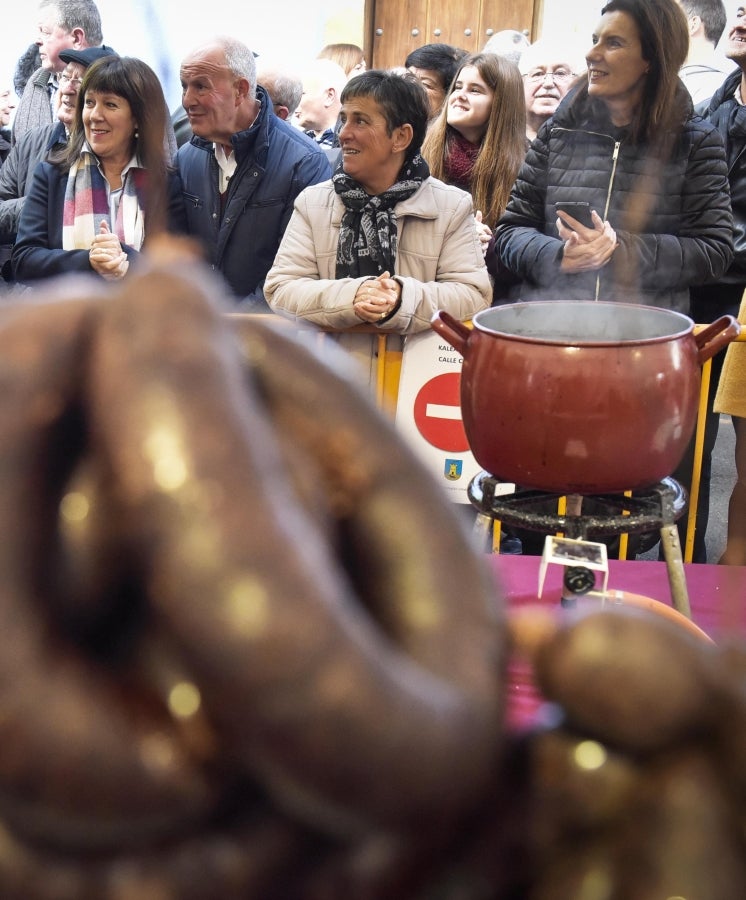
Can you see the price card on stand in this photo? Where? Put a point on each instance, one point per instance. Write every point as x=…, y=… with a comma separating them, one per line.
x=428, y=412
x=570, y=552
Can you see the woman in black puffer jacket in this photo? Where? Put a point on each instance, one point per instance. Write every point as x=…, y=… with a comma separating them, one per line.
x=626, y=141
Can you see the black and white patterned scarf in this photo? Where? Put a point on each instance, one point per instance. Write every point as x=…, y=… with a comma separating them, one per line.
x=367, y=235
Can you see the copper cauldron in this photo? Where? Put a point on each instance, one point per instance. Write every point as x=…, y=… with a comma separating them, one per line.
x=581, y=397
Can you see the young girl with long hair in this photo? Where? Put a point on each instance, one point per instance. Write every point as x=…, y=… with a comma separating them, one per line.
x=478, y=141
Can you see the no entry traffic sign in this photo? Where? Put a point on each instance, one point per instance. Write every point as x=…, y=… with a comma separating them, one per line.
x=437, y=413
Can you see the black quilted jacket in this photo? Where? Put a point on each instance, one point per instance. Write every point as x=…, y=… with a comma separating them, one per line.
x=729, y=117
x=687, y=233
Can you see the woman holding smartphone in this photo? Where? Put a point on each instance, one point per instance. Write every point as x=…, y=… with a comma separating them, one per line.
x=626, y=143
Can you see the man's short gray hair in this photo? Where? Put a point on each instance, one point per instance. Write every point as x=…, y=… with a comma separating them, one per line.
x=284, y=88
x=240, y=60
x=82, y=14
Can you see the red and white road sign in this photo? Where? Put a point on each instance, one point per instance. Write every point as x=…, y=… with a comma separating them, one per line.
x=437, y=413
x=428, y=412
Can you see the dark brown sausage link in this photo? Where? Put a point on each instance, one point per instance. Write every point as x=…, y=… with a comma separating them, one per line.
x=299, y=680
x=412, y=563
x=646, y=766
x=639, y=844
x=82, y=762
x=261, y=856
x=400, y=543
x=582, y=668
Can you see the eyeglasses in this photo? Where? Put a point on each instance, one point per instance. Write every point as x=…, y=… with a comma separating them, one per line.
x=557, y=75
x=66, y=79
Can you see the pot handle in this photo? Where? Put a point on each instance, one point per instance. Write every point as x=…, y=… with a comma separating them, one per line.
x=455, y=332
x=716, y=336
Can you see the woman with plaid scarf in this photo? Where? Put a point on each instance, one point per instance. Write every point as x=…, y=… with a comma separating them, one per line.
x=91, y=204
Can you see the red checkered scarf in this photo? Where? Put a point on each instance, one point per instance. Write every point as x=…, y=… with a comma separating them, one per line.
x=87, y=204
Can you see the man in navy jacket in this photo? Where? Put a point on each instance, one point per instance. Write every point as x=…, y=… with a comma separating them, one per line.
x=242, y=169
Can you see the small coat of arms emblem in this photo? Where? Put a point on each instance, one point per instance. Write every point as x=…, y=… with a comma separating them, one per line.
x=453, y=469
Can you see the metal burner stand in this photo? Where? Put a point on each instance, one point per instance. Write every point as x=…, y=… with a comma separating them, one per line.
x=594, y=515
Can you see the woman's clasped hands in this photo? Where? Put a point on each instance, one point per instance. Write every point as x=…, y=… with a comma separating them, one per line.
x=106, y=255
x=585, y=248
x=484, y=232
x=377, y=298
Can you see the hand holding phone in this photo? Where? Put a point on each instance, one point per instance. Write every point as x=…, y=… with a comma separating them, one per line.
x=578, y=209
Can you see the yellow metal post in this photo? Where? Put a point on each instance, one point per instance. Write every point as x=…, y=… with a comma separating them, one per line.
x=699, y=444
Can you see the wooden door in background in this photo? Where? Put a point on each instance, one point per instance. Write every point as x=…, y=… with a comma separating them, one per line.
x=497, y=15
x=396, y=27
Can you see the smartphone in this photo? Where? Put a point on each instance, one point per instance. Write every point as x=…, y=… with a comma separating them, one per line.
x=578, y=209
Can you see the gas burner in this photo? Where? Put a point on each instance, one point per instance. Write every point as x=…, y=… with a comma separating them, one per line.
x=590, y=516
x=587, y=515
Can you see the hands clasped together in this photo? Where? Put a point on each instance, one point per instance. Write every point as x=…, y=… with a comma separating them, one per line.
x=377, y=298
x=586, y=248
x=484, y=232
x=106, y=255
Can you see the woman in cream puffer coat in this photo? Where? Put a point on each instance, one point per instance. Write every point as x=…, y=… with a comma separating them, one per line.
x=383, y=245
x=439, y=265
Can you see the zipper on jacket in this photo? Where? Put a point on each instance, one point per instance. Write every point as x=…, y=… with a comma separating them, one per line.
x=735, y=161
x=614, y=158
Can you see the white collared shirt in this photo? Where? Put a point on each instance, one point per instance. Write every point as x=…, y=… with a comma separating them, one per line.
x=53, y=87
x=227, y=165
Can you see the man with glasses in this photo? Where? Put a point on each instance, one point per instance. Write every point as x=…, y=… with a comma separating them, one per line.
x=548, y=69
x=35, y=143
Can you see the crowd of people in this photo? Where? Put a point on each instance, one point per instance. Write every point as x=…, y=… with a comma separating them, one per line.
x=346, y=197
